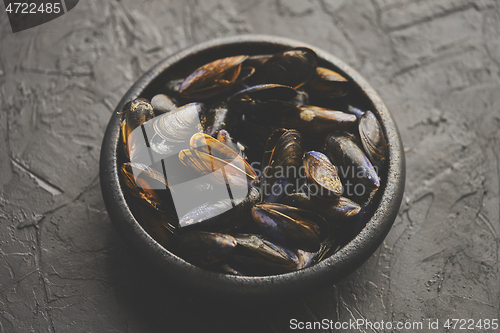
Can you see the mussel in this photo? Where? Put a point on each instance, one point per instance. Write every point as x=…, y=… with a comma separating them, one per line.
x=224, y=214
x=265, y=100
x=206, y=248
x=262, y=255
x=213, y=78
x=282, y=158
x=373, y=139
x=161, y=104
x=355, y=111
x=328, y=83
x=322, y=174
x=141, y=181
x=297, y=228
x=208, y=156
x=291, y=67
x=343, y=151
x=317, y=121
x=333, y=209
x=172, y=131
x=137, y=112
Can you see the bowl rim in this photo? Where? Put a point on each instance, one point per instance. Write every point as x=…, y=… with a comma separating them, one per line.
x=329, y=271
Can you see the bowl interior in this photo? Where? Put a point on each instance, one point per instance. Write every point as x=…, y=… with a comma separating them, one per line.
x=328, y=271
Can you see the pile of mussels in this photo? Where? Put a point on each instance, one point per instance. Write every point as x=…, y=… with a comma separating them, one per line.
x=247, y=167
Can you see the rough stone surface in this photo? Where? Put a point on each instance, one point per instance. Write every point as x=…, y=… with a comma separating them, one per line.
x=436, y=64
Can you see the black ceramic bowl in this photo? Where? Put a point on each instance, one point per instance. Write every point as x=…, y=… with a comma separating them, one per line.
x=328, y=271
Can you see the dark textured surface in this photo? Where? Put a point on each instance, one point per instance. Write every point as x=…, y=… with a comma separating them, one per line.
x=435, y=64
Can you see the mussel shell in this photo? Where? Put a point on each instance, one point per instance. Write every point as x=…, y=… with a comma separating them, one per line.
x=181, y=124
x=256, y=61
x=322, y=174
x=315, y=120
x=306, y=259
x=208, y=156
x=209, y=145
x=162, y=103
x=328, y=83
x=225, y=214
x=141, y=181
x=352, y=161
x=265, y=93
x=355, y=111
x=292, y=67
x=172, y=130
x=137, y=112
x=257, y=101
x=206, y=248
x=259, y=255
x=373, y=139
x=334, y=209
x=212, y=78
x=147, y=172
x=297, y=228
x=283, y=156
x=236, y=173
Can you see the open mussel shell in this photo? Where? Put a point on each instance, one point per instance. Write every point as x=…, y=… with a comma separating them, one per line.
x=173, y=130
x=322, y=175
x=333, y=209
x=295, y=227
x=328, y=83
x=343, y=151
x=205, y=248
x=373, y=139
x=212, y=78
x=292, y=67
x=257, y=255
x=224, y=214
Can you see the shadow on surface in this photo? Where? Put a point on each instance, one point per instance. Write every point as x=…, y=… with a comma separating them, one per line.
x=157, y=305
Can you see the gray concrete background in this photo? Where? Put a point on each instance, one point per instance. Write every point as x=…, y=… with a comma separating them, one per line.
x=436, y=64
